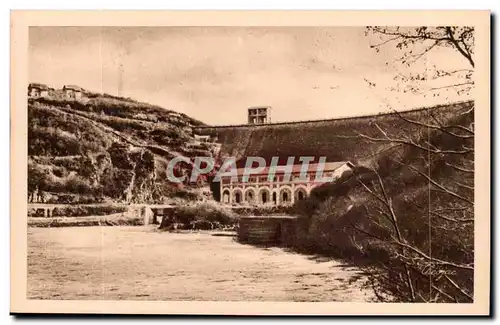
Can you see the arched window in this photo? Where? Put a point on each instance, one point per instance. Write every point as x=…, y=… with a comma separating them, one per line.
x=264, y=197
x=225, y=196
x=249, y=196
x=285, y=195
x=300, y=194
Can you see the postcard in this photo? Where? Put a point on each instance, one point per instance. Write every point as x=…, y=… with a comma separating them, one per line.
x=250, y=162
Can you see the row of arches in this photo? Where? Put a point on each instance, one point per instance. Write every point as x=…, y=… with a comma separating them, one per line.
x=264, y=195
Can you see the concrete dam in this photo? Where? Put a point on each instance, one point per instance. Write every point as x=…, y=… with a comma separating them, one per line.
x=336, y=139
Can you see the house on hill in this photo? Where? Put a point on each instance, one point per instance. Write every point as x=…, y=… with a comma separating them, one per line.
x=38, y=90
x=202, y=138
x=73, y=92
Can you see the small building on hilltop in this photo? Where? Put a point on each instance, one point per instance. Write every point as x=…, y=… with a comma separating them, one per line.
x=202, y=138
x=259, y=115
x=38, y=90
x=73, y=92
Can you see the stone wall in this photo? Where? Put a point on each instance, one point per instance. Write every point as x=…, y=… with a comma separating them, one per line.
x=271, y=230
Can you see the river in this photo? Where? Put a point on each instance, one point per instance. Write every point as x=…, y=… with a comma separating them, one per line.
x=141, y=263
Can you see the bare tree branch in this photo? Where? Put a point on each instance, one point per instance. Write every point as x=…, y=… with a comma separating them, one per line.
x=435, y=260
x=411, y=143
x=437, y=214
x=419, y=55
x=464, y=185
x=415, y=42
x=441, y=187
x=439, y=127
x=387, y=202
x=412, y=271
x=458, y=288
x=444, y=35
x=465, y=52
x=468, y=83
x=465, y=170
x=444, y=293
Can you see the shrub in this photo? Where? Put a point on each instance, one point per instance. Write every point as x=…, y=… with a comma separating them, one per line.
x=57, y=133
x=186, y=195
x=77, y=185
x=263, y=210
x=123, y=124
x=208, y=211
x=88, y=210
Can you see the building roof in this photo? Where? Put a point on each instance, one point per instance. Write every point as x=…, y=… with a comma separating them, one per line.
x=312, y=168
x=39, y=86
x=73, y=87
x=257, y=107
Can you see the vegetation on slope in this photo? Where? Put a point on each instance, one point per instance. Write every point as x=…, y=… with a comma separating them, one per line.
x=105, y=148
x=406, y=216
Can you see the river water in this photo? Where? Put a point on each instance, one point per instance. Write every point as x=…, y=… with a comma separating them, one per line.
x=141, y=263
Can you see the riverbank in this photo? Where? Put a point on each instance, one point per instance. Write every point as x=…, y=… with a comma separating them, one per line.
x=117, y=219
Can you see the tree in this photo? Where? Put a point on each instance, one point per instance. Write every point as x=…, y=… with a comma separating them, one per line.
x=427, y=228
x=37, y=180
x=414, y=44
x=421, y=212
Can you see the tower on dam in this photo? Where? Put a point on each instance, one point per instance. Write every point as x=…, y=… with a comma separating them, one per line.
x=259, y=115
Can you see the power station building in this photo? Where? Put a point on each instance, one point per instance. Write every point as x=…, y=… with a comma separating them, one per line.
x=261, y=189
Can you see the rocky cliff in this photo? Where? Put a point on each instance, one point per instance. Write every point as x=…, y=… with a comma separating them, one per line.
x=107, y=148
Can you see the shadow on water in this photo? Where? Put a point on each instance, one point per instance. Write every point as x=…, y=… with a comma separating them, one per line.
x=323, y=258
x=318, y=258
x=221, y=234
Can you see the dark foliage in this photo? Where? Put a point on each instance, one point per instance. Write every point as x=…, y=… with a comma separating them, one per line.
x=407, y=217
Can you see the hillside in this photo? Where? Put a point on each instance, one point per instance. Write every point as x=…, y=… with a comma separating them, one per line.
x=337, y=139
x=407, y=213
x=106, y=148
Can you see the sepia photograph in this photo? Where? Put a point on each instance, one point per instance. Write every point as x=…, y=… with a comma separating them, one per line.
x=257, y=163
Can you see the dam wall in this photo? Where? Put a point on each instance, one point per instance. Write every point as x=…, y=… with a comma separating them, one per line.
x=343, y=139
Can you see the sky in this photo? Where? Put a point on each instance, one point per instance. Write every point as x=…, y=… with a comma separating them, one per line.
x=215, y=73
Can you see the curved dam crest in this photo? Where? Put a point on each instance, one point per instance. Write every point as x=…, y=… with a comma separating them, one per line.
x=336, y=139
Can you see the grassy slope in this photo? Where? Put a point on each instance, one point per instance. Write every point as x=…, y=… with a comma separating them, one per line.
x=101, y=147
